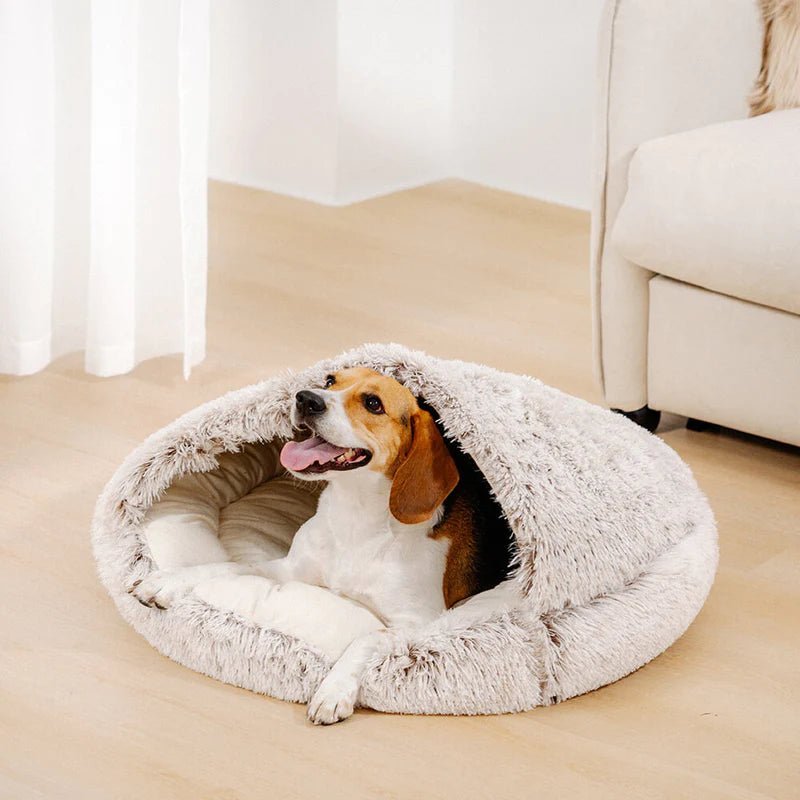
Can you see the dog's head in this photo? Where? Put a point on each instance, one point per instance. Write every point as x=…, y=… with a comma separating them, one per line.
x=362, y=420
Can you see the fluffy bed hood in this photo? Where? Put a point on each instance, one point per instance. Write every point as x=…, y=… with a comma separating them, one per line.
x=615, y=544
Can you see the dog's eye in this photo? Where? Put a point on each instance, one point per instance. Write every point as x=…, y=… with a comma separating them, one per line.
x=329, y=381
x=373, y=404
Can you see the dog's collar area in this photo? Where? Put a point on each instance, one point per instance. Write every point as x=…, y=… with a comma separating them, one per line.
x=315, y=455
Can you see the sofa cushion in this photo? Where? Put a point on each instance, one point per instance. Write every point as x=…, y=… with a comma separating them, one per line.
x=719, y=207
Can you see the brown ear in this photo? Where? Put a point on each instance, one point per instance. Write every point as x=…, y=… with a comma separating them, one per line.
x=426, y=477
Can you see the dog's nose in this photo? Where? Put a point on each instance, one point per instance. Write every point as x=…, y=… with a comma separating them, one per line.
x=309, y=403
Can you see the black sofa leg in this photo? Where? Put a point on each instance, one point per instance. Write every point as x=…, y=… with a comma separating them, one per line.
x=699, y=425
x=645, y=417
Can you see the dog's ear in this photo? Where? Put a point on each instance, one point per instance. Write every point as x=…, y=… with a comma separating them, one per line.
x=426, y=477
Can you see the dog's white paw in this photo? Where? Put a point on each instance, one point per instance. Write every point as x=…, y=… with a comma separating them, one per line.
x=334, y=700
x=160, y=589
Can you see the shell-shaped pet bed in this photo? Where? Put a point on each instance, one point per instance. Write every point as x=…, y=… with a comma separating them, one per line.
x=614, y=551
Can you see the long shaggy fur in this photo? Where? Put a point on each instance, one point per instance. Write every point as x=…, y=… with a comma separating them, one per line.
x=615, y=545
x=778, y=83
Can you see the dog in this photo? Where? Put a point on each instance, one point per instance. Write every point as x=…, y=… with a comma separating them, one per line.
x=404, y=526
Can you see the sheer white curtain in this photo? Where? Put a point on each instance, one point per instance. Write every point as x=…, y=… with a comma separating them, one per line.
x=103, y=168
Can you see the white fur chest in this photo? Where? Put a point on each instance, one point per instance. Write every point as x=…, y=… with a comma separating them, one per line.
x=360, y=551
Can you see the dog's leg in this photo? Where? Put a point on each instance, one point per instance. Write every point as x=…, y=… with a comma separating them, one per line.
x=162, y=587
x=281, y=570
x=336, y=696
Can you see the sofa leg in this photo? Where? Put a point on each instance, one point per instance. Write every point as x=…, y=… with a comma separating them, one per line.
x=699, y=425
x=645, y=417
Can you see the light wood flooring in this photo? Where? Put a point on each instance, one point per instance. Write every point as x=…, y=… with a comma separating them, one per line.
x=89, y=710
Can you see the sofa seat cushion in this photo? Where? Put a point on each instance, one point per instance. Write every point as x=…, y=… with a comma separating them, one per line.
x=719, y=207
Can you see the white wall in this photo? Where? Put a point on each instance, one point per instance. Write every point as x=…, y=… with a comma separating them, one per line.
x=340, y=100
x=395, y=87
x=274, y=96
x=332, y=100
x=523, y=95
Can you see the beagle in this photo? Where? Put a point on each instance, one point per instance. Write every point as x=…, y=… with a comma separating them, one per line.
x=405, y=526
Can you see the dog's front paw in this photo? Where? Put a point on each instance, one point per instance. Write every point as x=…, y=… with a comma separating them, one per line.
x=160, y=589
x=334, y=700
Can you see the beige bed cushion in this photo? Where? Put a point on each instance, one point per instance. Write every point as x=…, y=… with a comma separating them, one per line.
x=778, y=83
x=718, y=207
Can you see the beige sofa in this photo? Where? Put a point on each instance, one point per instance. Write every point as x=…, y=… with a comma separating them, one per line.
x=696, y=222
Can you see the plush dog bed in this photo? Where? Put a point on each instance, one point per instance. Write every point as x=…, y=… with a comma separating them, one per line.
x=615, y=546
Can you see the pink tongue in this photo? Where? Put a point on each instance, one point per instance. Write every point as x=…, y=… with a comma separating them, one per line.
x=301, y=455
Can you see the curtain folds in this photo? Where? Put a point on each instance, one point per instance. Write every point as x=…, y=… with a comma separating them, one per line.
x=103, y=170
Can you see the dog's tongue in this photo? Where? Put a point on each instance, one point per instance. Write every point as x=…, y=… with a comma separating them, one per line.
x=301, y=455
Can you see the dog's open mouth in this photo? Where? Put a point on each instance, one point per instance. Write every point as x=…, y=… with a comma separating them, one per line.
x=316, y=455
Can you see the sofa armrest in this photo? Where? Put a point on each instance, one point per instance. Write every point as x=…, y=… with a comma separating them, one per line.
x=664, y=67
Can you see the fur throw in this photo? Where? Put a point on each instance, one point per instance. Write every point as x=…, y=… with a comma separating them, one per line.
x=778, y=83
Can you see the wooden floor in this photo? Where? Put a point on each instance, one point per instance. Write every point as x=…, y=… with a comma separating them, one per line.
x=89, y=710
